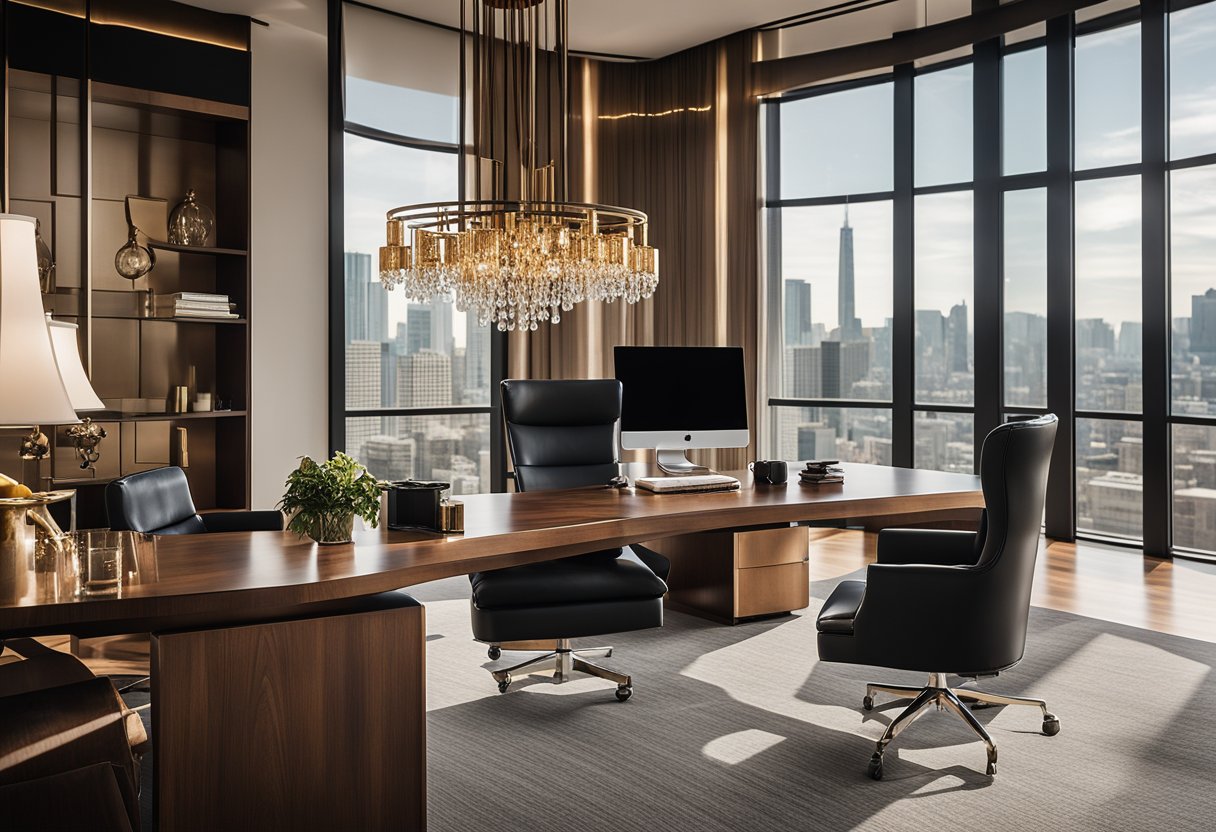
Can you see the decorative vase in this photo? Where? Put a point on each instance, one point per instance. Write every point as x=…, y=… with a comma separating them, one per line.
x=133, y=261
x=190, y=223
x=334, y=527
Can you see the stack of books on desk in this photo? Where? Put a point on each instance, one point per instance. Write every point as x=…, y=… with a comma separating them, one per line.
x=194, y=305
x=822, y=471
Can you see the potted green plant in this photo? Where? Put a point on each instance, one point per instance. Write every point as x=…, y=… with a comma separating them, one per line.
x=322, y=500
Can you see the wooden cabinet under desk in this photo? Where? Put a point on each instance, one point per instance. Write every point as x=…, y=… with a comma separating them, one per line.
x=727, y=576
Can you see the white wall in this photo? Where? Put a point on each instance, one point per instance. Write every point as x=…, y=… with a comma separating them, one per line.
x=289, y=247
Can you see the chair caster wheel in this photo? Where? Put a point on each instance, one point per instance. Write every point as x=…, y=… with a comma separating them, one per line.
x=504, y=684
x=868, y=703
x=494, y=653
x=623, y=692
x=875, y=768
x=1051, y=725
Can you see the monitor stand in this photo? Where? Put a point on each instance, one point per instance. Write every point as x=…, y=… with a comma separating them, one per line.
x=675, y=462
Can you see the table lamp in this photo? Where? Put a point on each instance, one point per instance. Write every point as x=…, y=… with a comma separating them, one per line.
x=32, y=386
x=87, y=435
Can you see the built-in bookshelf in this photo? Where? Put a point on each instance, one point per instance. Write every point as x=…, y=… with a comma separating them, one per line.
x=163, y=108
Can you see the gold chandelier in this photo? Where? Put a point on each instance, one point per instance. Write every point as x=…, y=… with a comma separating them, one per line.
x=521, y=252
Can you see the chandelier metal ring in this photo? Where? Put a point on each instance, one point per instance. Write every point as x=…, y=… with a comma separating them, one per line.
x=526, y=259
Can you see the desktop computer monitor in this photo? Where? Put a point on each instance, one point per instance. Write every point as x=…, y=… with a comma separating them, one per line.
x=676, y=398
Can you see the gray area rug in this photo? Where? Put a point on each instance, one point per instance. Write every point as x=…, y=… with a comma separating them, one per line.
x=740, y=728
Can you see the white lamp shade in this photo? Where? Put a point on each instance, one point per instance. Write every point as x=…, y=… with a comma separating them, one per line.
x=71, y=370
x=31, y=389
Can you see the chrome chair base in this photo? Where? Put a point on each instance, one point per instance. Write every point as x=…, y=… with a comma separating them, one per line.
x=565, y=662
x=958, y=700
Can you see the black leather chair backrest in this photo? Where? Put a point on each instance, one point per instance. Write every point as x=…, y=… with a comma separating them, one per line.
x=562, y=434
x=1013, y=470
x=156, y=502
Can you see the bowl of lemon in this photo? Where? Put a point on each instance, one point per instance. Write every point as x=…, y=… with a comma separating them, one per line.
x=13, y=493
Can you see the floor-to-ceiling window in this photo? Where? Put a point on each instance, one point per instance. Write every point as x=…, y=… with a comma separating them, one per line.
x=418, y=374
x=831, y=378
x=1192, y=260
x=1138, y=126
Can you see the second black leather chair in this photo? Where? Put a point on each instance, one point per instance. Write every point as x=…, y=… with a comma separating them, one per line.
x=952, y=602
x=562, y=434
x=158, y=501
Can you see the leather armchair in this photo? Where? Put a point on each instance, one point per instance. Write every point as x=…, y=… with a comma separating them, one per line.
x=61, y=728
x=562, y=434
x=159, y=502
x=948, y=602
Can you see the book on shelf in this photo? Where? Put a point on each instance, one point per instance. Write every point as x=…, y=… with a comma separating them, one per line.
x=198, y=313
x=173, y=306
x=205, y=297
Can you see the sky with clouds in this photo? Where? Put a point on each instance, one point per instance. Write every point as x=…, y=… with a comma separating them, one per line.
x=842, y=143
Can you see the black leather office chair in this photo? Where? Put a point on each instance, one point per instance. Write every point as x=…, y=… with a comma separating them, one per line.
x=562, y=434
x=159, y=502
x=950, y=601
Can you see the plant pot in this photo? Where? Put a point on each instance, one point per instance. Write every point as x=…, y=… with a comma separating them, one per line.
x=337, y=527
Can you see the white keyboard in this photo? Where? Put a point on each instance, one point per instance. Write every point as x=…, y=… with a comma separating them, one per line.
x=699, y=482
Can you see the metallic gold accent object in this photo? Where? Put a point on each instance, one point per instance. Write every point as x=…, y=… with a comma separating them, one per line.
x=451, y=516
x=35, y=445
x=526, y=258
x=86, y=437
x=133, y=261
x=180, y=401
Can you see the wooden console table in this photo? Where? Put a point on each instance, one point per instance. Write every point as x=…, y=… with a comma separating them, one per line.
x=239, y=621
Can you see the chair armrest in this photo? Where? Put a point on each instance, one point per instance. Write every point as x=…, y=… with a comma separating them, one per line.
x=925, y=617
x=929, y=546
x=243, y=521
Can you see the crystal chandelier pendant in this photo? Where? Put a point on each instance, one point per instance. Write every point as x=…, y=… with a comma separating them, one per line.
x=524, y=259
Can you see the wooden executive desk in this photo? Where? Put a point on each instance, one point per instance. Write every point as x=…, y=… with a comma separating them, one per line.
x=285, y=696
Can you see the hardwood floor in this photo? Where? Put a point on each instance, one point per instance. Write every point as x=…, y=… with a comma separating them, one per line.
x=1111, y=583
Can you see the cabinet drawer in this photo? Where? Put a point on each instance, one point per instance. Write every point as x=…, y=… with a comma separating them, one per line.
x=769, y=547
x=772, y=589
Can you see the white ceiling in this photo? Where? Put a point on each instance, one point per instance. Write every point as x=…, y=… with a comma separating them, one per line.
x=653, y=28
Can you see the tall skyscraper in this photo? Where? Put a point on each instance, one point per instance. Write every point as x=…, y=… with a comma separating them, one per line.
x=362, y=374
x=842, y=365
x=363, y=379
x=816, y=441
x=797, y=313
x=424, y=379
x=958, y=344
x=418, y=330
x=390, y=457
x=441, y=326
x=803, y=372
x=1094, y=334
x=477, y=360
x=1131, y=340
x=850, y=326
x=1203, y=326
x=366, y=302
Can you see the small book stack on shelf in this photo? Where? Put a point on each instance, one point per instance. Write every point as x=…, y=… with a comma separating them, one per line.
x=822, y=471
x=194, y=305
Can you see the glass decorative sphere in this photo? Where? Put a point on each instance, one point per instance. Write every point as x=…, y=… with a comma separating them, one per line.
x=191, y=222
x=133, y=261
